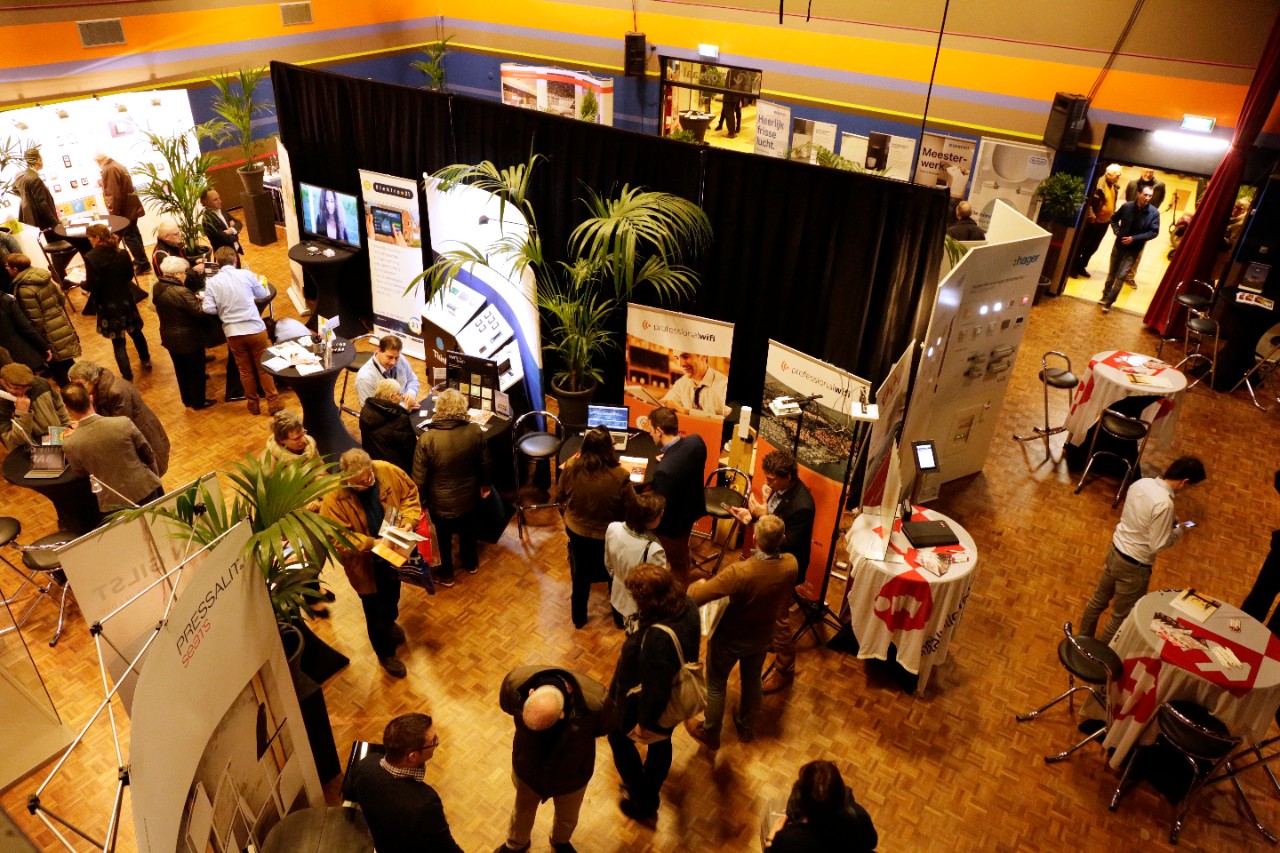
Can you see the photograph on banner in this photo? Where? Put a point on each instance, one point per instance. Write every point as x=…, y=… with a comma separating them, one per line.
x=807, y=136
x=1010, y=172
x=891, y=398
x=219, y=752
x=881, y=153
x=773, y=129
x=945, y=161
x=819, y=435
x=394, y=227
x=484, y=310
x=572, y=94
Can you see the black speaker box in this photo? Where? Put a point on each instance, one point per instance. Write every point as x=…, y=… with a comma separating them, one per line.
x=635, y=58
x=1066, y=121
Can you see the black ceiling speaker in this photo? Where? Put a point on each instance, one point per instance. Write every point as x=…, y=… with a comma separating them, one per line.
x=1066, y=121
x=636, y=59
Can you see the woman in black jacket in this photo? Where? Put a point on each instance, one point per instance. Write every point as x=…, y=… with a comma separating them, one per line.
x=822, y=816
x=451, y=468
x=183, y=326
x=108, y=274
x=386, y=432
x=642, y=682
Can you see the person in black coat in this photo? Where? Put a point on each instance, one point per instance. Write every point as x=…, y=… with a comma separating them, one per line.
x=404, y=813
x=641, y=686
x=822, y=816
x=108, y=276
x=386, y=432
x=183, y=326
x=23, y=340
x=1267, y=585
x=678, y=478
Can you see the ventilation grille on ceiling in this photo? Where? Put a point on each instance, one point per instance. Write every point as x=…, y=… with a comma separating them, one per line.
x=99, y=33
x=295, y=13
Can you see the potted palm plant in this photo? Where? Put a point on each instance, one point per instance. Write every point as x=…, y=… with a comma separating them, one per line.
x=175, y=190
x=1060, y=196
x=432, y=64
x=633, y=242
x=236, y=107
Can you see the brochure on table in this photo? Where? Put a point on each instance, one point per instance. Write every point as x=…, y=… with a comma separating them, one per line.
x=681, y=362
x=1010, y=172
x=70, y=133
x=559, y=91
x=979, y=320
x=219, y=751
x=773, y=129
x=485, y=311
x=820, y=435
x=394, y=227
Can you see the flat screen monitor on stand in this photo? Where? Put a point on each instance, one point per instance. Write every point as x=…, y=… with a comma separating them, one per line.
x=924, y=534
x=329, y=217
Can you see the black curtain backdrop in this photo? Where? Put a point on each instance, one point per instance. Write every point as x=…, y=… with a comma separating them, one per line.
x=838, y=265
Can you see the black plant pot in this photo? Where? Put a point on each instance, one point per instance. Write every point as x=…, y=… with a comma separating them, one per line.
x=573, y=406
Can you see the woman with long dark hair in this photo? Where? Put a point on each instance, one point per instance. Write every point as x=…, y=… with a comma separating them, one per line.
x=330, y=221
x=595, y=491
x=641, y=686
x=822, y=816
x=108, y=274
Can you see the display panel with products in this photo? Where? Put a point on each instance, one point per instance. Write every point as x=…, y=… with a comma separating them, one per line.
x=329, y=216
x=476, y=378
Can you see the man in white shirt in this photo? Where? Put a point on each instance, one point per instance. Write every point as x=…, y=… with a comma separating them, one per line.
x=1147, y=526
x=230, y=294
x=701, y=391
x=388, y=363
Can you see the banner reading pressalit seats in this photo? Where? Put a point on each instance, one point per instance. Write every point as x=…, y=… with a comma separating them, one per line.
x=394, y=225
x=822, y=441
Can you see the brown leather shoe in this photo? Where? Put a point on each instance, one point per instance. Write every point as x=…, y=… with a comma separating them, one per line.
x=254, y=407
x=777, y=680
x=394, y=667
x=699, y=733
x=276, y=406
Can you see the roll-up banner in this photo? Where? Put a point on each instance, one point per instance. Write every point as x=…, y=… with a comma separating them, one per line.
x=394, y=226
x=879, y=495
x=680, y=362
x=1009, y=172
x=219, y=753
x=882, y=153
x=945, y=161
x=821, y=439
x=572, y=94
x=773, y=129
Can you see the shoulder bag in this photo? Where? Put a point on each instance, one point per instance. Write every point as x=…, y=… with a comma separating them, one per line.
x=688, y=688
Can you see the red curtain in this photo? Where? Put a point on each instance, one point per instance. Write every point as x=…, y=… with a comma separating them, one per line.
x=1199, y=247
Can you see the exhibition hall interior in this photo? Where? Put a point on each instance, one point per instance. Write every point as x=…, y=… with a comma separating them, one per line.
x=911, y=367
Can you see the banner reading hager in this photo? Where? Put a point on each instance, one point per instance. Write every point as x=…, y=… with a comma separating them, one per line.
x=394, y=225
x=822, y=441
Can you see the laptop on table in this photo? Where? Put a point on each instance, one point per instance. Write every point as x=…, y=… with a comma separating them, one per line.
x=614, y=419
x=47, y=462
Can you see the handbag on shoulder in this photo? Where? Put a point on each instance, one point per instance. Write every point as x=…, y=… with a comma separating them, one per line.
x=688, y=688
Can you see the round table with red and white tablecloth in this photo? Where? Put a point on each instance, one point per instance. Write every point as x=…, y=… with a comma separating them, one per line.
x=1156, y=671
x=1107, y=380
x=898, y=601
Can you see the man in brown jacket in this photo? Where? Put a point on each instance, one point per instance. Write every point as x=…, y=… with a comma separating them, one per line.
x=758, y=588
x=111, y=450
x=118, y=193
x=1099, y=208
x=374, y=492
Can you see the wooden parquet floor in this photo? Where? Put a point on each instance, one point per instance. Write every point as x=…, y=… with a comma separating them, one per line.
x=947, y=771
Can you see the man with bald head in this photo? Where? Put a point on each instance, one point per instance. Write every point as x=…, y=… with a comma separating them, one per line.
x=965, y=229
x=558, y=714
x=1099, y=209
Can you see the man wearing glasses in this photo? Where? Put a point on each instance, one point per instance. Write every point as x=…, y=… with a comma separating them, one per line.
x=404, y=813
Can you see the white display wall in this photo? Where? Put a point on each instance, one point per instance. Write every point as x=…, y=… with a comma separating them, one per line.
x=70, y=133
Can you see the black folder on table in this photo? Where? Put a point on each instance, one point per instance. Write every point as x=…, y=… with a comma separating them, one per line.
x=929, y=534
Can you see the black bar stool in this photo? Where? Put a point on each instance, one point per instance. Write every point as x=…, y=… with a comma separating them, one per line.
x=1200, y=326
x=1093, y=662
x=1200, y=738
x=1124, y=428
x=1052, y=377
x=720, y=493
x=58, y=255
x=1266, y=359
x=536, y=445
x=42, y=556
x=1194, y=295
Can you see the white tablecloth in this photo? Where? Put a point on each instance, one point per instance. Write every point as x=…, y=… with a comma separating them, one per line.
x=897, y=601
x=1106, y=381
x=1156, y=671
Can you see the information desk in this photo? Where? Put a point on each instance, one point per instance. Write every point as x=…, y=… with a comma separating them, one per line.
x=325, y=829
x=320, y=414
x=1107, y=380
x=71, y=496
x=1156, y=671
x=897, y=601
x=321, y=272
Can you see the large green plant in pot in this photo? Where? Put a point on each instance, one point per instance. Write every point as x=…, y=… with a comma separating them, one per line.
x=290, y=541
x=236, y=107
x=175, y=190
x=633, y=242
x=1060, y=196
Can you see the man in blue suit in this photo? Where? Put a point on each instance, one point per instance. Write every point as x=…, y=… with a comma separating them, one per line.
x=678, y=478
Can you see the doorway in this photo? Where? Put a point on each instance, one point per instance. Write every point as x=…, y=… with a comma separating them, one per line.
x=709, y=103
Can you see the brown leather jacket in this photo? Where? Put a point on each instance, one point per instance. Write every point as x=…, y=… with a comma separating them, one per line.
x=395, y=489
x=117, y=191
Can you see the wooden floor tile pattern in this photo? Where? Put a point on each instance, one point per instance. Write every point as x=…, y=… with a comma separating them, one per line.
x=947, y=771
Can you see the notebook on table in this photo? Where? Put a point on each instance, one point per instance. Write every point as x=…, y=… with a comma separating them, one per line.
x=614, y=419
x=929, y=534
x=47, y=462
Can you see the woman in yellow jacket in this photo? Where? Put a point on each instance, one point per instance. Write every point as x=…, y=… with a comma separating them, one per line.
x=374, y=492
